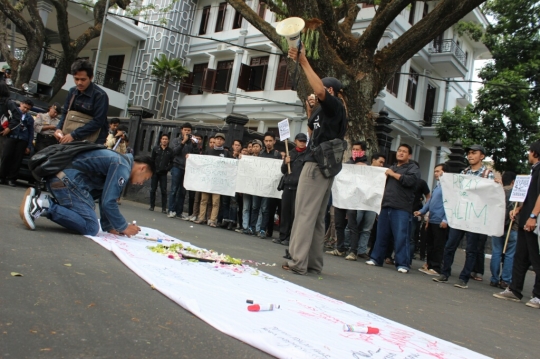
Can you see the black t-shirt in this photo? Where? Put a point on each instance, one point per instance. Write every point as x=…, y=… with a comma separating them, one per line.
x=272, y=154
x=328, y=121
x=532, y=196
x=219, y=153
x=420, y=191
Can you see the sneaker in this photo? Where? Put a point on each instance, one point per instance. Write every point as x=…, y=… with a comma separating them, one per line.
x=335, y=252
x=494, y=284
x=533, y=303
x=363, y=256
x=507, y=295
x=351, y=257
x=239, y=230
x=164, y=210
x=371, y=262
x=424, y=270
x=432, y=272
x=262, y=235
x=441, y=279
x=200, y=221
x=184, y=217
x=403, y=270
x=276, y=241
x=285, y=243
x=248, y=232
x=192, y=218
x=461, y=284
x=171, y=214
x=503, y=284
x=30, y=210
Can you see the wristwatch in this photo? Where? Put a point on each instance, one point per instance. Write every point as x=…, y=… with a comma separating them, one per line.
x=533, y=216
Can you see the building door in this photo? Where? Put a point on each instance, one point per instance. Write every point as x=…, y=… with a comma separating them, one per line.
x=113, y=73
x=430, y=104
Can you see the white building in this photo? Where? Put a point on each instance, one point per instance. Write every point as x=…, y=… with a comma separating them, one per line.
x=228, y=78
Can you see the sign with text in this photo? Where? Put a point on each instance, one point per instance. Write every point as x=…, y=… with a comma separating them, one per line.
x=284, y=129
x=359, y=187
x=520, y=189
x=474, y=204
x=211, y=174
x=259, y=176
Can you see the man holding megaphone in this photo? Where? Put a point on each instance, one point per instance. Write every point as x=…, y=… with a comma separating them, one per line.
x=327, y=124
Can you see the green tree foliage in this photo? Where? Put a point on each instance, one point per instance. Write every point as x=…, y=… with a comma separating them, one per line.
x=505, y=116
x=167, y=70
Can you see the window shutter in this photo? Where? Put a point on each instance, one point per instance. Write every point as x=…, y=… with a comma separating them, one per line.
x=187, y=84
x=281, y=78
x=243, y=79
x=209, y=78
x=261, y=84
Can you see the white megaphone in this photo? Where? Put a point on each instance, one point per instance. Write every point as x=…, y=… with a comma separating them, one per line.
x=291, y=28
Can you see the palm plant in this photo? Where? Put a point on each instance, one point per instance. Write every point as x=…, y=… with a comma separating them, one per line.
x=167, y=70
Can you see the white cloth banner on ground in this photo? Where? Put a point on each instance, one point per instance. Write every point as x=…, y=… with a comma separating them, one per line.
x=259, y=176
x=520, y=189
x=359, y=187
x=308, y=324
x=211, y=174
x=474, y=204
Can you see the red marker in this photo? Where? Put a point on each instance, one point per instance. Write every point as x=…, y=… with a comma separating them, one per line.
x=262, y=307
x=360, y=329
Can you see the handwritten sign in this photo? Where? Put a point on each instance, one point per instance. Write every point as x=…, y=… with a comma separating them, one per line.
x=259, y=176
x=284, y=130
x=521, y=186
x=473, y=204
x=211, y=174
x=359, y=187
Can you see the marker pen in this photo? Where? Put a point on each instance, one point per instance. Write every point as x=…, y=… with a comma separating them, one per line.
x=262, y=307
x=360, y=329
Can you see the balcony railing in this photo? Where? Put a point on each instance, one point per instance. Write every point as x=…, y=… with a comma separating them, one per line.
x=448, y=46
x=432, y=119
x=50, y=59
x=110, y=83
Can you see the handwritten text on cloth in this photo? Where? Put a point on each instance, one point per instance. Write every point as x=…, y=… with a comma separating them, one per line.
x=474, y=204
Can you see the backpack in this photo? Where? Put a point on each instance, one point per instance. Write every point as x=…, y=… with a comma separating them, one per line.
x=53, y=159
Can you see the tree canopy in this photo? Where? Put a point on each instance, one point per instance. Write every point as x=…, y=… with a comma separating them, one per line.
x=504, y=118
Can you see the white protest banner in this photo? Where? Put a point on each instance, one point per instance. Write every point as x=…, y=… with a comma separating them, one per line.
x=259, y=176
x=211, y=174
x=359, y=187
x=521, y=187
x=474, y=204
x=284, y=130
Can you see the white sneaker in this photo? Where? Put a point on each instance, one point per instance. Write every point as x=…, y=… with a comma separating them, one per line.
x=192, y=218
x=171, y=214
x=371, y=263
x=403, y=270
x=185, y=217
x=534, y=303
x=30, y=210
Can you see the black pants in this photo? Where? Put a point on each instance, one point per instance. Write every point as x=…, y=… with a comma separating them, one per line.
x=162, y=179
x=435, y=241
x=43, y=141
x=274, y=206
x=12, y=157
x=286, y=218
x=340, y=220
x=480, y=255
x=527, y=253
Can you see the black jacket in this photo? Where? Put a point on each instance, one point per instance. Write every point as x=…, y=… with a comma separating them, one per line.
x=297, y=163
x=180, y=151
x=362, y=159
x=163, y=158
x=273, y=154
x=219, y=153
x=400, y=194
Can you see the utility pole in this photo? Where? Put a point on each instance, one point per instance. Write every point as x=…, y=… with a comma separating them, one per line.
x=101, y=36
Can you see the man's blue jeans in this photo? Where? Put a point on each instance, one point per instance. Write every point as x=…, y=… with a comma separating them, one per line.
x=178, y=193
x=259, y=208
x=246, y=211
x=393, y=224
x=360, y=225
x=454, y=237
x=73, y=207
x=497, y=246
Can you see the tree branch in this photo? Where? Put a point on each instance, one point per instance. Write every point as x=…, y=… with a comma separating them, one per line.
x=350, y=17
x=444, y=15
x=272, y=6
x=11, y=13
x=387, y=12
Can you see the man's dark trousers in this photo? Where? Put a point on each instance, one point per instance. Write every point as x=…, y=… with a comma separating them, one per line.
x=527, y=254
x=162, y=180
x=454, y=237
x=286, y=217
x=435, y=242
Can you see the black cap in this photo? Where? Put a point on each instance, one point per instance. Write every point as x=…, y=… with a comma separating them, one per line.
x=333, y=83
x=301, y=137
x=475, y=148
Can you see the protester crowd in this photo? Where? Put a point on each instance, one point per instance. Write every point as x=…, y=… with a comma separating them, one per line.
x=412, y=220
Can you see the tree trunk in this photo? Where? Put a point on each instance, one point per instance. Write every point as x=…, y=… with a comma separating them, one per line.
x=165, y=87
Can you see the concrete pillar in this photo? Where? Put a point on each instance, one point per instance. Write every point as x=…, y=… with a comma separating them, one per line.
x=44, y=10
x=233, y=88
x=260, y=128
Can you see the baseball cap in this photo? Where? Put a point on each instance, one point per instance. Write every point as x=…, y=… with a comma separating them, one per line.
x=476, y=148
x=219, y=134
x=333, y=83
x=301, y=137
x=257, y=142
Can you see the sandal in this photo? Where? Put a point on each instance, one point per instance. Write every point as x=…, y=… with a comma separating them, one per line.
x=211, y=224
x=286, y=267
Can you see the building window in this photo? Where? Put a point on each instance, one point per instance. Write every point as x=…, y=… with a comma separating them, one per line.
x=412, y=87
x=466, y=57
x=237, y=23
x=283, y=80
x=204, y=20
x=221, y=16
x=426, y=10
x=261, y=10
x=223, y=76
x=393, y=85
x=198, y=75
x=411, y=13
x=253, y=77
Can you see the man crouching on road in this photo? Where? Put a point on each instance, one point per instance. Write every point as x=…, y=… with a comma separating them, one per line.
x=96, y=174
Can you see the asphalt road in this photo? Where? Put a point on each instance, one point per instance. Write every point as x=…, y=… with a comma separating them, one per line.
x=98, y=308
